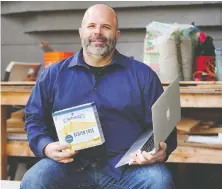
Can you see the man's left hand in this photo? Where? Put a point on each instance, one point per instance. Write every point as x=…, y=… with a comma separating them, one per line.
x=143, y=157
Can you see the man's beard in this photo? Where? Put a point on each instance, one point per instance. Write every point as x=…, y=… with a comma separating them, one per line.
x=103, y=49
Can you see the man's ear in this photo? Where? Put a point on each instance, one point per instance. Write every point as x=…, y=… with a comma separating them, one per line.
x=80, y=32
x=117, y=34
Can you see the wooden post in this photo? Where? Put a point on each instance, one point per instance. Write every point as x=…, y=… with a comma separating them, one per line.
x=3, y=156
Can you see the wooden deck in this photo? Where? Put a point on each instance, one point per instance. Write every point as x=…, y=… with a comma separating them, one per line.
x=193, y=95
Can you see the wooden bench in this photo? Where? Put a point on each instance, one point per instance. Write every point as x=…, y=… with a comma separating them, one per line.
x=193, y=95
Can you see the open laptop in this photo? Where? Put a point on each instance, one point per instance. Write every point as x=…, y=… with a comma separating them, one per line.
x=166, y=113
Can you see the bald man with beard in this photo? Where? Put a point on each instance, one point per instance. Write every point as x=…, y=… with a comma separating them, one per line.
x=123, y=90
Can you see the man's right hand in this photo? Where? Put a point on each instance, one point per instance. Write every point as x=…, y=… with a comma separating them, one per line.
x=59, y=152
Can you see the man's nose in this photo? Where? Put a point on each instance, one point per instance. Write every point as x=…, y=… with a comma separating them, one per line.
x=97, y=30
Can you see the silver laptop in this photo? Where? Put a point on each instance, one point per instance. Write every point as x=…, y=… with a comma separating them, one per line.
x=166, y=113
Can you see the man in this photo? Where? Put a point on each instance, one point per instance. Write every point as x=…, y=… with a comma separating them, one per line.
x=123, y=90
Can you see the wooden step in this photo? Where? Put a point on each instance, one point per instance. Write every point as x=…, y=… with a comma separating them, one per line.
x=19, y=148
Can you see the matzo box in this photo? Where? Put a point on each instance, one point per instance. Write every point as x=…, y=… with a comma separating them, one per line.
x=80, y=126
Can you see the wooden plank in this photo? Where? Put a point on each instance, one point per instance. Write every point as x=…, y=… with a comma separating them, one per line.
x=17, y=83
x=201, y=91
x=15, y=129
x=187, y=124
x=181, y=140
x=16, y=89
x=200, y=145
x=17, y=136
x=15, y=123
x=19, y=148
x=18, y=114
x=185, y=154
x=3, y=159
x=195, y=83
x=12, y=98
x=200, y=100
x=200, y=130
x=16, y=119
x=213, y=86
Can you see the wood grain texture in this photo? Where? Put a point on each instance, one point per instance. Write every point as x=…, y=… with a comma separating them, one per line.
x=19, y=148
x=187, y=124
x=186, y=154
x=17, y=93
x=3, y=159
x=191, y=100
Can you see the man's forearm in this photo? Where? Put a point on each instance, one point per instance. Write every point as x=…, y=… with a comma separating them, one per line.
x=37, y=133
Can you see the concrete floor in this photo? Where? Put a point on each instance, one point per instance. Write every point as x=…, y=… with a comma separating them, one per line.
x=5, y=184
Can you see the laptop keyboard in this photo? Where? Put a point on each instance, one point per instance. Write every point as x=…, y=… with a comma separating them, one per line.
x=149, y=145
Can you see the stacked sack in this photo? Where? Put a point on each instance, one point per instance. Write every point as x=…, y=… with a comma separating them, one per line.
x=168, y=50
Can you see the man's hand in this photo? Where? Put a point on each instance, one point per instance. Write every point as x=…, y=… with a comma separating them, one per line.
x=59, y=152
x=140, y=158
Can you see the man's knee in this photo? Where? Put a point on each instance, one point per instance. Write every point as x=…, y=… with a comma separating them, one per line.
x=155, y=176
x=41, y=175
x=160, y=177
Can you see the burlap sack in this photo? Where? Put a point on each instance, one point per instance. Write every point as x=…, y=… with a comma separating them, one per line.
x=166, y=52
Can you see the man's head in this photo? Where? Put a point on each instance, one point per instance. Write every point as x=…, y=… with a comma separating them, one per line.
x=99, y=31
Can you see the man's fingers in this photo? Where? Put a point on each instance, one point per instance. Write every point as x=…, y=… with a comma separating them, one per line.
x=150, y=158
x=163, y=146
x=138, y=158
x=64, y=146
x=160, y=155
x=135, y=159
x=141, y=157
x=160, y=152
x=133, y=162
x=62, y=155
x=66, y=160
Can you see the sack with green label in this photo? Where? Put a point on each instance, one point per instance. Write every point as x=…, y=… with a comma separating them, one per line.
x=168, y=50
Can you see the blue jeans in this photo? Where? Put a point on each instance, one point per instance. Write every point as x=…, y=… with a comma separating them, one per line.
x=49, y=174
